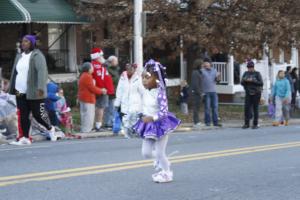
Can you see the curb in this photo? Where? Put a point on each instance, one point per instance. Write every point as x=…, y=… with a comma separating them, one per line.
x=186, y=127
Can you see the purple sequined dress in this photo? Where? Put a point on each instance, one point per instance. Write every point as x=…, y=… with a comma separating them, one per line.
x=155, y=104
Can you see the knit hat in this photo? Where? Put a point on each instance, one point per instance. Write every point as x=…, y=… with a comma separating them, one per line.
x=96, y=53
x=197, y=63
x=86, y=67
x=207, y=60
x=31, y=38
x=133, y=65
x=250, y=64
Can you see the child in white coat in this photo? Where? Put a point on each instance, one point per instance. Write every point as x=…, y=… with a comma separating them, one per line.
x=129, y=98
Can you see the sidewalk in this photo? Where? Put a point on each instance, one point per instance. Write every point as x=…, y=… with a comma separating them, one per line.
x=185, y=127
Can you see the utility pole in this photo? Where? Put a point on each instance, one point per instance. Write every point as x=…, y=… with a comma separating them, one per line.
x=138, y=39
x=182, y=64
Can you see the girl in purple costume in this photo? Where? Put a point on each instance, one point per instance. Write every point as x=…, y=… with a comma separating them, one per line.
x=155, y=121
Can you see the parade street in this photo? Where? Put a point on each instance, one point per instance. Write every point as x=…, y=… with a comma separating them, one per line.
x=227, y=164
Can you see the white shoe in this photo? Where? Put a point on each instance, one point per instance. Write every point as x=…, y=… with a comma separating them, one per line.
x=22, y=141
x=197, y=126
x=163, y=177
x=52, y=135
x=154, y=175
x=2, y=137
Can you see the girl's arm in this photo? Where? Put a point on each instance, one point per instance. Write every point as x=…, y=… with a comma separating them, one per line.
x=141, y=88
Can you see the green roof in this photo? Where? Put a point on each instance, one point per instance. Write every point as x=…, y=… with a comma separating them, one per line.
x=9, y=13
x=38, y=11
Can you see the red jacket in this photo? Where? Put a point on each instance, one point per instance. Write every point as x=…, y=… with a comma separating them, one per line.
x=103, y=78
x=87, y=90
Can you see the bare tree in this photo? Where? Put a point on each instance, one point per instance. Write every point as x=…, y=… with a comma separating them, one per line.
x=240, y=27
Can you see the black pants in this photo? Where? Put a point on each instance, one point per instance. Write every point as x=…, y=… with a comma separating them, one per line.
x=37, y=107
x=196, y=108
x=53, y=118
x=251, y=107
x=294, y=94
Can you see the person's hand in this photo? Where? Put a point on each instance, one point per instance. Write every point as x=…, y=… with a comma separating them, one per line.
x=103, y=91
x=218, y=78
x=285, y=101
x=147, y=119
x=40, y=93
x=249, y=79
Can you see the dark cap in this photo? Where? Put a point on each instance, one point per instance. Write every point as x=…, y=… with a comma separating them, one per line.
x=250, y=64
x=207, y=60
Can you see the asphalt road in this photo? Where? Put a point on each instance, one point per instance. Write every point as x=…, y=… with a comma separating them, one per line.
x=225, y=164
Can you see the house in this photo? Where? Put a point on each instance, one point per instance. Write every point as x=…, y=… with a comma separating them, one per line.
x=55, y=23
x=273, y=61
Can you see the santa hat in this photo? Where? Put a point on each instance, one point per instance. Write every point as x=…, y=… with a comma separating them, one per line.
x=96, y=53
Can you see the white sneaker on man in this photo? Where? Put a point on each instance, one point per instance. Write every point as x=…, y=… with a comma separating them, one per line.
x=22, y=141
x=197, y=126
x=52, y=135
x=163, y=177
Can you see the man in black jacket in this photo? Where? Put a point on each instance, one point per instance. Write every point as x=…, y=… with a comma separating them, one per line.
x=196, y=89
x=253, y=84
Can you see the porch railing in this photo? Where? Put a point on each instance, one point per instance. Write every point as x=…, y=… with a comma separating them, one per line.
x=222, y=69
x=57, y=60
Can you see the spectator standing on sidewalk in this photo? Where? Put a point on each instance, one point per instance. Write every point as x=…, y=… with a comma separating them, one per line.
x=210, y=77
x=281, y=92
x=196, y=90
x=114, y=72
x=288, y=76
x=183, y=98
x=29, y=84
x=103, y=80
x=129, y=97
x=87, y=92
x=295, y=79
x=253, y=83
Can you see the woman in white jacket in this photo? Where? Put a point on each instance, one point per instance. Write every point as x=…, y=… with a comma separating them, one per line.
x=129, y=97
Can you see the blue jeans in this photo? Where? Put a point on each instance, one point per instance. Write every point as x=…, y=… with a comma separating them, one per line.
x=109, y=114
x=211, y=105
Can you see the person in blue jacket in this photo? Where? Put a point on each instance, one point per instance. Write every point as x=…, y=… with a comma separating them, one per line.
x=281, y=92
x=52, y=98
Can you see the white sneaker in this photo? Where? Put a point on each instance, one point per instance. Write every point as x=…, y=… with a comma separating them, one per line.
x=163, y=177
x=52, y=135
x=22, y=141
x=2, y=137
x=197, y=126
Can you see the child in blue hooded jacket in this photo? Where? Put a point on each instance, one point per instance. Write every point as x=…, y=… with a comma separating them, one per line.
x=51, y=100
x=281, y=94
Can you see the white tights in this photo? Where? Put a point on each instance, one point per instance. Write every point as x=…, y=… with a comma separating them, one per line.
x=157, y=149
